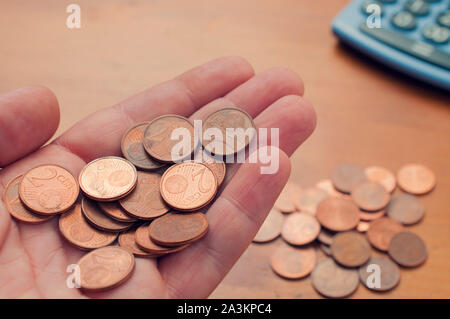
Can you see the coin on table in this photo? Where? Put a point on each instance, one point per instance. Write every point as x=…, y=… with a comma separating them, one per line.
x=337, y=214
x=350, y=249
x=175, y=229
x=271, y=228
x=142, y=238
x=105, y=268
x=346, y=176
x=334, y=281
x=145, y=202
x=74, y=227
x=163, y=136
x=133, y=149
x=416, y=179
x=236, y=130
x=407, y=249
x=188, y=186
x=363, y=227
x=326, y=237
x=98, y=219
x=327, y=185
x=369, y=216
x=289, y=196
x=406, y=208
x=293, y=262
x=370, y=196
x=127, y=241
x=115, y=211
x=48, y=189
x=387, y=271
x=108, y=178
x=217, y=166
x=15, y=207
x=381, y=232
x=300, y=229
x=310, y=198
x=382, y=176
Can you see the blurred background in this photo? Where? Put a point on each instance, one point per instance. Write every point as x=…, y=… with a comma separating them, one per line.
x=367, y=114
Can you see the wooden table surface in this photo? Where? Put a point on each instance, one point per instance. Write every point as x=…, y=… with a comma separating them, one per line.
x=367, y=114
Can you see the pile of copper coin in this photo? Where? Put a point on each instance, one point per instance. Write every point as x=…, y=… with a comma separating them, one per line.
x=149, y=204
x=345, y=217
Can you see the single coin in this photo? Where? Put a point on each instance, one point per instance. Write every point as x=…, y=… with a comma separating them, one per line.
x=188, y=186
x=175, y=229
x=407, y=249
x=98, y=219
x=326, y=237
x=287, y=202
x=217, y=166
x=127, y=241
x=74, y=227
x=369, y=216
x=115, y=211
x=227, y=131
x=15, y=207
x=416, y=179
x=105, y=268
x=405, y=208
x=293, y=262
x=334, y=281
x=133, y=149
x=382, y=176
x=325, y=249
x=310, y=198
x=337, y=214
x=327, y=185
x=388, y=271
x=142, y=238
x=145, y=202
x=48, y=189
x=350, y=249
x=346, y=176
x=381, y=232
x=160, y=145
x=370, y=196
x=271, y=228
x=300, y=229
x=363, y=227
x=108, y=178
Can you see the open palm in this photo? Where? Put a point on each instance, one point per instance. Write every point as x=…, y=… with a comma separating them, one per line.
x=34, y=258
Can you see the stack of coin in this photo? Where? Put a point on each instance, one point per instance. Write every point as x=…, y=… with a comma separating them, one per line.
x=343, y=217
x=146, y=201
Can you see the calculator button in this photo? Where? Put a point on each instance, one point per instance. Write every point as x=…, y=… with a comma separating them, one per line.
x=417, y=7
x=444, y=19
x=404, y=20
x=366, y=4
x=436, y=34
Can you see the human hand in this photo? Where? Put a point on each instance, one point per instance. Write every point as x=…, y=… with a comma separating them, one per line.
x=33, y=258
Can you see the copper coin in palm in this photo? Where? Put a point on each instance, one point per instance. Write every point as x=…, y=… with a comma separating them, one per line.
x=334, y=281
x=48, y=189
x=228, y=121
x=337, y=214
x=370, y=196
x=159, y=142
x=369, y=216
x=133, y=148
x=127, y=241
x=271, y=228
x=346, y=176
x=326, y=237
x=98, y=219
x=175, y=229
x=105, y=268
x=388, y=270
x=115, y=211
x=350, y=249
x=15, y=207
x=108, y=178
x=145, y=202
x=310, y=198
x=407, y=249
x=142, y=238
x=406, y=208
x=188, y=186
x=381, y=232
x=287, y=201
x=74, y=227
x=416, y=179
x=217, y=166
x=381, y=175
x=300, y=229
x=293, y=262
